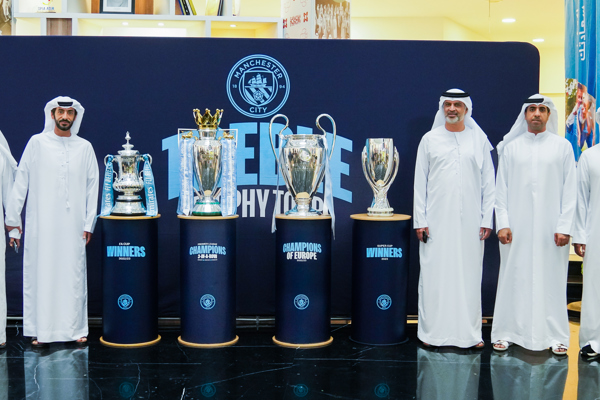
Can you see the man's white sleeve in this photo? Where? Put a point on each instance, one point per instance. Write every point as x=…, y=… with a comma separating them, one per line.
x=583, y=201
x=8, y=177
x=420, y=186
x=488, y=189
x=501, y=206
x=569, y=192
x=17, y=196
x=91, y=196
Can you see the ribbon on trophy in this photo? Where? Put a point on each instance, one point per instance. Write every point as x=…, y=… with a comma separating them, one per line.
x=277, y=196
x=108, y=199
x=186, y=174
x=228, y=177
x=149, y=190
x=328, y=192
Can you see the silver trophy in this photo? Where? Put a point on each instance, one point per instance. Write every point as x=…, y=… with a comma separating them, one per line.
x=302, y=161
x=207, y=163
x=129, y=181
x=380, y=165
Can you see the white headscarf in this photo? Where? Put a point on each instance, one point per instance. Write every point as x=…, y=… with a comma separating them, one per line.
x=5, y=151
x=63, y=102
x=440, y=118
x=520, y=126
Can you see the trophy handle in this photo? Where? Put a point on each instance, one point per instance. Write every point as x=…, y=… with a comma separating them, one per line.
x=325, y=133
x=106, y=158
x=287, y=122
x=396, y=163
x=364, y=167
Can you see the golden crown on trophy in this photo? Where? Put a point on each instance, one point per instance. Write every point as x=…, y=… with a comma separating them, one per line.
x=207, y=120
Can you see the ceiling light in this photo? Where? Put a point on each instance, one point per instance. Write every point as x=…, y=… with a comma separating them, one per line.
x=233, y=25
x=161, y=24
x=539, y=40
x=125, y=23
x=509, y=20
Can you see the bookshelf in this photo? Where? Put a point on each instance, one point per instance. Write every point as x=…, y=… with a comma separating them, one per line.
x=77, y=18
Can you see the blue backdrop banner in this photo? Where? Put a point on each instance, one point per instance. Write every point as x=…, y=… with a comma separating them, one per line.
x=581, y=73
x=149, y=87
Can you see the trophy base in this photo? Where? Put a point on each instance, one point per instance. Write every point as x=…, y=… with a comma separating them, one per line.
x=380, y=212
x=128, y=207
x=303, y=212
x=207, y=208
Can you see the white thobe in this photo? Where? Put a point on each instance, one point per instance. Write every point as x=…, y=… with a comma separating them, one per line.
x=454, y=198
x=6, y=183
x=535, y=198
x=586, y=230
x=59, y=177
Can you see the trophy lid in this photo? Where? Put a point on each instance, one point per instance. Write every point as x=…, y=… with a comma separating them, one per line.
x=207, y=120
x=128, y=148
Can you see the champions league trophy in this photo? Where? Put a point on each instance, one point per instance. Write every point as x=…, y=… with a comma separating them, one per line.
x=303, y=160
x=380, y=165
x=129, y=181
x=207, y=163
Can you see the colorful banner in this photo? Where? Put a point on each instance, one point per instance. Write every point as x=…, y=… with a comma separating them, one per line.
x=581, y=72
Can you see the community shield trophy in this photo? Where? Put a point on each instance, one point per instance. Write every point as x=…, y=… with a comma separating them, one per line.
x=129, y=180
x=207, y=153
x=302, y=160
x=380, y=165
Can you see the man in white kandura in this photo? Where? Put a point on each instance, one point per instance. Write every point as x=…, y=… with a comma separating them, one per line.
x=8, y=166
x=453, y=205
x=586, y=230
x=535, y=205
x=58, y=173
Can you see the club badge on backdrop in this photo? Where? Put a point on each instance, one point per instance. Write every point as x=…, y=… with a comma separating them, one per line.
x=129, y=181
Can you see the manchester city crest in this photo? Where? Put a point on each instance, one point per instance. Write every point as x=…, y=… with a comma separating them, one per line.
x=384, y=302
x=382, y=390
x=125, y=302
x=208, y=390
x=258, y=86
x=207, y=301
x=301, y=302
x=301, y=390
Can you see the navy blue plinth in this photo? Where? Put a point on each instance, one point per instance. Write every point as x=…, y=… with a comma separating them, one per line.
x=208, y=259
x=303, y=281
x=379, y=278
x=130, y=281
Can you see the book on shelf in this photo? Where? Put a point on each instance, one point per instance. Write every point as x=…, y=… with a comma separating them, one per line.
x=213, y=7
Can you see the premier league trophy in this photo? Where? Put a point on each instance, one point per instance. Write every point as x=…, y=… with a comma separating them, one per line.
x=303, y=160
x=380, y=165
x=207, y=163
x=129, y=181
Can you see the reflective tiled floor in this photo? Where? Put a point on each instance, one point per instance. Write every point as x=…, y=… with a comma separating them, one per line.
x=256, y=369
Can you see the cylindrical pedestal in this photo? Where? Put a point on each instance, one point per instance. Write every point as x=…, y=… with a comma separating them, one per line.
x=208, y=257
x=303, y=281
x=130, y=281
x=379, y=278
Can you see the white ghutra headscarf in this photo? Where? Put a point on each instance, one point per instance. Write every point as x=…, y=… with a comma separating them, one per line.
x=520, y=125
x=63, y=102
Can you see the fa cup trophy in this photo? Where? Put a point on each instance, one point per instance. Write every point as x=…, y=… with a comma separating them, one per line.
x=207, y=163
x=380, y=165
x=129, y=181
x=303, y=161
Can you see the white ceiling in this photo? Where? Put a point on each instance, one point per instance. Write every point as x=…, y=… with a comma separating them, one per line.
x=535, y=18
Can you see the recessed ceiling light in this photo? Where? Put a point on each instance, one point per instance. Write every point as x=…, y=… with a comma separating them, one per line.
x=539, y=40
x=161, y=24
x=233, y=25
x=509, y=20
x=125, y=23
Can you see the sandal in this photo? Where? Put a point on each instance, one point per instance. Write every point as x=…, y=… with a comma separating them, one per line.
x=427, y=345
x=36, y=344
x=588, y=352
x=501, y=345
x=559, y=349
x=479, y=345
x=82, y=341
x=3, y=346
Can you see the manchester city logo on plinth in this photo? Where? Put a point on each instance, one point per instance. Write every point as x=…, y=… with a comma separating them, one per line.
x=207, y=302
x=384, y=302
x=258, y=86
x=208, y=390
x=301, y=302
x=125, y=302
x=301, y=390
x=382, y=390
